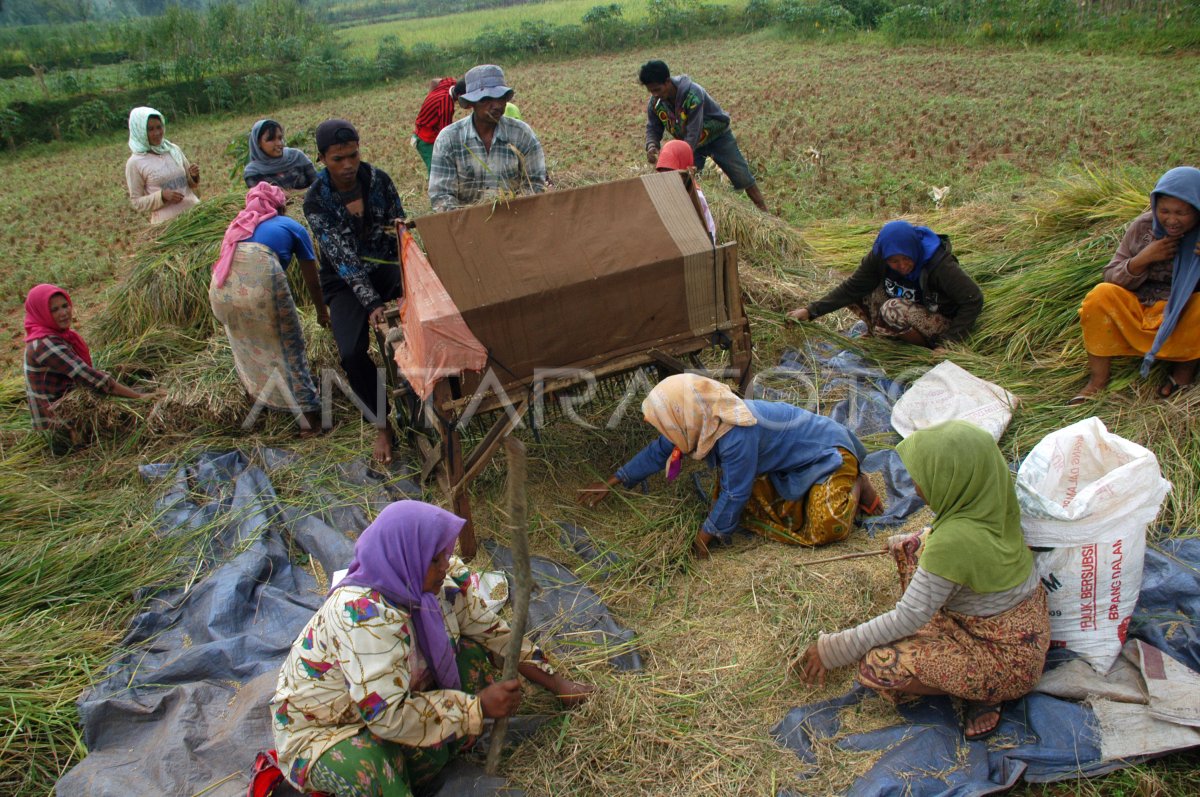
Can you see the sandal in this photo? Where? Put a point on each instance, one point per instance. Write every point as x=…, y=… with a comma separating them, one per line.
x=875, y=508
x=1171, y=387
x=973, y=711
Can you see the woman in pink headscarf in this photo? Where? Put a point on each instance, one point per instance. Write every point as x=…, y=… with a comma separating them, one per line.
x=250, y=295
x=56, y=360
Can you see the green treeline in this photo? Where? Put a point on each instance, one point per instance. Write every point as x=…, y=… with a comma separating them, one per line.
x=58, y=12
x=187, y=62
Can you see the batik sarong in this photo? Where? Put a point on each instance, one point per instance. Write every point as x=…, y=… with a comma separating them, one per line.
x=255, y=305
x=981, y=659
x=888, y=317
x=825, y=515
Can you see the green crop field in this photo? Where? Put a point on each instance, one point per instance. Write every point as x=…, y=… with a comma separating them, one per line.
x=361, y=40
x=1047, y=151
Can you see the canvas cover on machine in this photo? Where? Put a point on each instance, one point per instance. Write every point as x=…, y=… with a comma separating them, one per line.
x=437, y=343
x=567, y=277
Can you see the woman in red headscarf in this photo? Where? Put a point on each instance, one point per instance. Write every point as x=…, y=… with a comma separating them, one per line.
x=250, y=295
x=56, y=359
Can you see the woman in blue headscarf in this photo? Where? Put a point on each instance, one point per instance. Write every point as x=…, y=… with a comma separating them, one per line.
x=909, y=286
x=273, y=162
x=1145, y=307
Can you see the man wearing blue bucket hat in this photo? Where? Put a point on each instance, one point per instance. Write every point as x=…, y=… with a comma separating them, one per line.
x=486, y=155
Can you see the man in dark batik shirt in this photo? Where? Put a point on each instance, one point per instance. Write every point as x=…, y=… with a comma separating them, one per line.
x=685, y=110
x=352, y=210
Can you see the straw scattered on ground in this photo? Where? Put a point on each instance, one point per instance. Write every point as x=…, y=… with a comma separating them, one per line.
x=716, y=636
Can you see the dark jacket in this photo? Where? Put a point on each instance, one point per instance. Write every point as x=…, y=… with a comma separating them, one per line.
x=350, y=252
x=694, y=116
x=946, y=288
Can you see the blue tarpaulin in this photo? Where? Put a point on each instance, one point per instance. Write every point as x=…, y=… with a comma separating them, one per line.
x=1040, y=738
x=182, y=708
x=814, y=377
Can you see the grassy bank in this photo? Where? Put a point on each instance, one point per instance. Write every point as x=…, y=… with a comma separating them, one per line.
x=453, y=29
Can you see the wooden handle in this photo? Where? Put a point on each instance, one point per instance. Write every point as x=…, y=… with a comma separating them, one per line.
x=518, y=526
x=859, y=555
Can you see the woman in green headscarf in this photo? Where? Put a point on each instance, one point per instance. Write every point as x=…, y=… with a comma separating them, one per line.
x=972, y=622
x=160, y=178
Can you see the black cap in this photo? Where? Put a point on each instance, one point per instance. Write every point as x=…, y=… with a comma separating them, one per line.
x=334, y=131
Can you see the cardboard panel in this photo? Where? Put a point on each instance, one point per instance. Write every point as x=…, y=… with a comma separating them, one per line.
x=554, y=279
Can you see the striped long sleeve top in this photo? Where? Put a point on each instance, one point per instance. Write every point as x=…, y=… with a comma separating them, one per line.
x=926, y=594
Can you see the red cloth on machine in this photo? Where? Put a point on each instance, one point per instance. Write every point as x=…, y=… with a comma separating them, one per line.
x=437, y=342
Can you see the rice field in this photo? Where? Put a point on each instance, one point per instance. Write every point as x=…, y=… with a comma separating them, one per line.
x=1047, y=154
x=362, y=40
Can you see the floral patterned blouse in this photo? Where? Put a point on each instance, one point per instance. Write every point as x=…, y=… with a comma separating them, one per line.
x=357, y=665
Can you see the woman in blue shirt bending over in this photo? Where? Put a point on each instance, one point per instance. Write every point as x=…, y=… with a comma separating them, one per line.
x=786, y=473
x=249, y=294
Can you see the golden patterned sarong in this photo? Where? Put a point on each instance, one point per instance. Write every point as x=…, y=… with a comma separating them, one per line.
x=825, y=515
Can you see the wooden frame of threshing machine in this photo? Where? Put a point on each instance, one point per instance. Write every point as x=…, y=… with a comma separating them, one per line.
x=591, y=283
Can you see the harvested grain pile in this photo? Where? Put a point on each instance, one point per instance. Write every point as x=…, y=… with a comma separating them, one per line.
x=167, y=285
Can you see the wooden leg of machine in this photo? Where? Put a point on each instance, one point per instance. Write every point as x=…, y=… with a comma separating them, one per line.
x=450, y=473
x=743, y=359
x=460, y=501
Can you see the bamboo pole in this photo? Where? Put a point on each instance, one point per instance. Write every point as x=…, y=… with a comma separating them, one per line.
x=844, y=556
x=518, y=514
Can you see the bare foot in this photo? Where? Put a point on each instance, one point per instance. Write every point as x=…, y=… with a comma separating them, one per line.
x=573, y=693
x=1088, y=391
x=383, y=446
x=980, y=720
x=700, y=544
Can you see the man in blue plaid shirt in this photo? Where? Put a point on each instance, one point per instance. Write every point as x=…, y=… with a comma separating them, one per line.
x=486, y=155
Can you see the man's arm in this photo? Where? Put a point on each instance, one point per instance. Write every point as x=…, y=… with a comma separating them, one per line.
x=654, y=128
x=337, y=247
x=391, y=199
x=534, y=163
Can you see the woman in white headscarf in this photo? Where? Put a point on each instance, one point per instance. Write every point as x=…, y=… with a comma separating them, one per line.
x=161, y=180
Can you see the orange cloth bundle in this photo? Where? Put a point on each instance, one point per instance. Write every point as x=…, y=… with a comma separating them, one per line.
x=437, y=342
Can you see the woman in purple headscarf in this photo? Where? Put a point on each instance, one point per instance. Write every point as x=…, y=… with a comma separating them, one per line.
x=389, y=680
x=909, y=286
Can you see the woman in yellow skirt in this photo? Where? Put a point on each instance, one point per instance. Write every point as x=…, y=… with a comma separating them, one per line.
x=1146, y=305
x=786, y=473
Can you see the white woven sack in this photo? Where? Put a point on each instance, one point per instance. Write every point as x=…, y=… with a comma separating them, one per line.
x=947, y=392
x=1082, y=484
x=1089, y=495
x=1091, y=591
